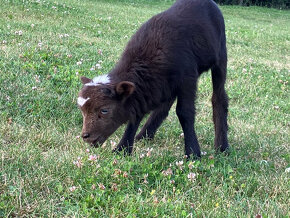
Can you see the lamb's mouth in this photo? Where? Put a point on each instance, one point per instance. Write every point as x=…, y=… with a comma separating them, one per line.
x=98, y=142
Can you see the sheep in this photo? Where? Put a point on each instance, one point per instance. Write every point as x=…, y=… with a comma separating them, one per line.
x=161, y=63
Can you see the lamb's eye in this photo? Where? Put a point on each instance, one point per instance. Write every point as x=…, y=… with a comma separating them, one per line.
x=104, y=111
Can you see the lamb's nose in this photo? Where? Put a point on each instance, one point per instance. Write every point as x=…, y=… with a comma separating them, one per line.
x=86, y=135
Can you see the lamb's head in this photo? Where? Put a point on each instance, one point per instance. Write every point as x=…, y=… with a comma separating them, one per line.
x=102, y=104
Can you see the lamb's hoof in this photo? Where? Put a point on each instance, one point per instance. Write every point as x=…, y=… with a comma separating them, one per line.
x=119, y=150
x=226, y=150
x=193, y=157
x=223, y=149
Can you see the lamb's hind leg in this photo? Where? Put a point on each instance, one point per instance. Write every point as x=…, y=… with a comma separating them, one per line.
x=220, y=106
x=154, y=121
x=185, y=110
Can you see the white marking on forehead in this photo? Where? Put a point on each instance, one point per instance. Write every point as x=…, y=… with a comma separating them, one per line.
x=82, y=101
x=103, y=79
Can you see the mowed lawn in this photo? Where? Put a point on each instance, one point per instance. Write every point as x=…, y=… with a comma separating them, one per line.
x=45, y=168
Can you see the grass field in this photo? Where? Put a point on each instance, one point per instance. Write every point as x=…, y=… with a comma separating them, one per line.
x=46, y=170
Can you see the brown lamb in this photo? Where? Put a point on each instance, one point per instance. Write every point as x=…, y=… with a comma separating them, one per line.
x=162, y=62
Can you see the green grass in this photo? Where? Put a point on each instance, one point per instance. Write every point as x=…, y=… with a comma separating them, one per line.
x=40, y=122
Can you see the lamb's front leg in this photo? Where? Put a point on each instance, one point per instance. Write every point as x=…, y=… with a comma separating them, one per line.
x=127, y=140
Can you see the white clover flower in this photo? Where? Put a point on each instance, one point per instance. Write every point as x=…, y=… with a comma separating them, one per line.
x=114, y=187
x=263, y=162
x=113, y=143
x=191, y=177
x=92, y=157
x=140, y=190
x=72, y=189
x=167, y=172
x=37, y=79
x=149, y=150
x=101, y=186
x=98, y=66
x=78, y=162
x=179, y=163
x=125, y=174
x=191, y=164
x=115, y=162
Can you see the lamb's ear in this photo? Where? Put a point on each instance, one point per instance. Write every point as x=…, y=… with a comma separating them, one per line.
x=85, y=80
x=125, y=88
